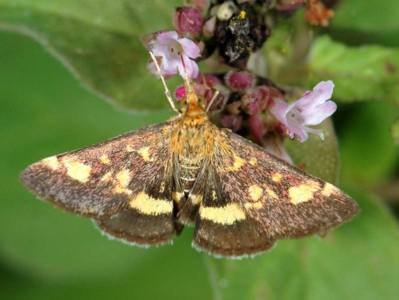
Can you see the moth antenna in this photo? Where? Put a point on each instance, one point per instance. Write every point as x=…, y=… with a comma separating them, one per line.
x=166, y=89
x=212, y=100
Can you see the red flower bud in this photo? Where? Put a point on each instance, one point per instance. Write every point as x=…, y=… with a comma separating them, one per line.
x=256, y=127
x=180, y=92
x=188, y=20
x=234, y=122
x=255, y=100
x=239, y=81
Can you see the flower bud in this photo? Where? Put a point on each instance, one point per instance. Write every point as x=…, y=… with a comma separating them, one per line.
x=226, y=10
x=256, y=127
x=188, y=20
x=180, y=92
x=209, y=27
x=234, y=122
x=239, y=80
x=288, y=6
x=255, y=100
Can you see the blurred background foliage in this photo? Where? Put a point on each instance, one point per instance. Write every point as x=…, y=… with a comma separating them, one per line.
x=44, y=109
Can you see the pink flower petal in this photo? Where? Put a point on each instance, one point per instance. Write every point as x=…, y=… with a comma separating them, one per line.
x=188, y=68
x=321, y=93
x=166, y=36
x=190, y=48
x=326, y=88
x=323, y=111
x=279, y=109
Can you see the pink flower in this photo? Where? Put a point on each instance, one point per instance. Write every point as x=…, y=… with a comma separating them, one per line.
x=180, y=92
x=239, y=80
x=312, y=109
x=176, y=54
x=188, y=20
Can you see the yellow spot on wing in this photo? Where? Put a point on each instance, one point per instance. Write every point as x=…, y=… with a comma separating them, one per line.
x=145, y=153
x=225, y=215
x=254, y=205
x=51, y=162
x=237, y=164
x=271, y=193
x=255, y=191
x=303, y=192
x=253, y=161
x=151, y=206
x=105, y=159
x=329, y=189
x=276, y=177
x=106, y=176
x=177, y=196
x=195, y=199
x=129, y=148
x=122, y=181
x=77, y=170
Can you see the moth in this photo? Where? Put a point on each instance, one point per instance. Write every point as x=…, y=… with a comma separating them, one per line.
x=144, y=186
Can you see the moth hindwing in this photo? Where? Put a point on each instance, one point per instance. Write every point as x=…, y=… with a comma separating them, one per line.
x=144, y=186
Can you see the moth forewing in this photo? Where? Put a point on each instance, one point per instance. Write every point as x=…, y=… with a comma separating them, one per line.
x=122, y=183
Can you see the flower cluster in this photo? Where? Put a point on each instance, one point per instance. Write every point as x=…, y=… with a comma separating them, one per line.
x=248, y=104
x=176, y=54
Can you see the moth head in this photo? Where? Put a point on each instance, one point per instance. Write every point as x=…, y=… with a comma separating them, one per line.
x=193, y=106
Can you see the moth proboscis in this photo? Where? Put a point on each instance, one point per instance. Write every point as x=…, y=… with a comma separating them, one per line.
x=144, y=186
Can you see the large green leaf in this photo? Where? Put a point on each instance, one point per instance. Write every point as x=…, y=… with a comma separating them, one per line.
x=368, y=153
x=371, y=21
x=317, y=157
x=357, y=261
x=98, y=40
x=360, y=73
x=395, y=131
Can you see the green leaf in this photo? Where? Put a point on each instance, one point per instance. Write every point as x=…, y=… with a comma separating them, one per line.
x=371, y=21
x=395, y=131
x=360, y=73
x=150, y=279
x=317, y=157
x=357, y=261
x=98, y=41
x=368, y=153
